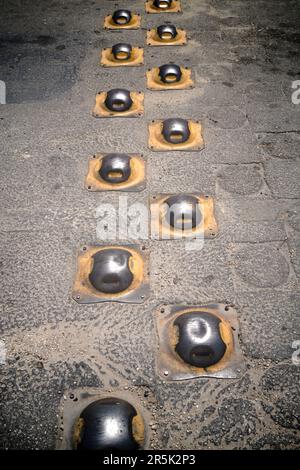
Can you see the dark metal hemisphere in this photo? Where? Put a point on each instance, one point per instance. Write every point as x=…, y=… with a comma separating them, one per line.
x=162, y=4
x=115, y=168
x=167, y=32
x=121, y=51
x=107, y=425
x=111, y=273
x=176, y=131
x=170, y=73
x=200, y=343
x=118, y=100
x=122, y=16
x=183, y=212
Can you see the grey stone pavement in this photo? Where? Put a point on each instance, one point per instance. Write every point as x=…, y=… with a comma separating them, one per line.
x=245, y=56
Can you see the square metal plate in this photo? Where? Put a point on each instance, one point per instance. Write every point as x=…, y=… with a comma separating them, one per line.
x=154, y=81
x=137, y=109
x=75, y=401
x=157, y=142
x=171, y=367
x=160, y=230
x=134, y=23
x=135, y=182
x=153, y=38
x=136, y=58
x=85, y=293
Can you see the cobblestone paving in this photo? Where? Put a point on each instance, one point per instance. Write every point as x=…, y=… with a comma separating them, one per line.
x=245, y=56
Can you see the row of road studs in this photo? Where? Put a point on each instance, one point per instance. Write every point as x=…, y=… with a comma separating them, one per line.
x=194, y=341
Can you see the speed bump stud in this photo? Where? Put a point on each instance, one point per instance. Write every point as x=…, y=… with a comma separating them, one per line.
x=169, y=77
x=122, y=19
x=115, y=172
x=176, y=216
x=166, y=35
x=163, y=6
x=170, y=73
x=111, y=273
x=121, y=51
x=175, y=134
x=109, y=424
x=183, y=212
x=122, y=55
x=198, y=341
x=119, y=103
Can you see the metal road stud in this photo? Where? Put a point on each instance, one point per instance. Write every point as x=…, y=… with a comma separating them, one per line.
x=109, y=424
x=166, y=35
x=122, y=19
x=116, y=172
x=111, y=273
x=122, y=55
x=169, y=77
x=163, y=6
x=119, y=102
x=175, y=134
x=187, y=216
x=198, y=341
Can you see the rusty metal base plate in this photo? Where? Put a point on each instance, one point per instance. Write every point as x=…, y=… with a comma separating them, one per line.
x=109, y=60
x=161, y=230
x=171, y=367
x=154, y=81
x=134, y=23
x=157, y=142
x=85, y=293
x=153, y=38
x=75, y=401
x=137, y=109
x=135, y=182
x=174, y=8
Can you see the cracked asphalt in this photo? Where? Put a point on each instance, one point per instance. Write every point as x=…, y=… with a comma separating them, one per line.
x=244, y=55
